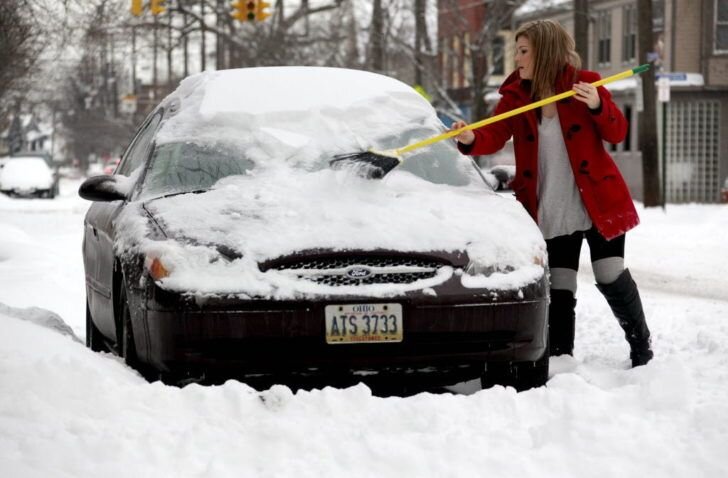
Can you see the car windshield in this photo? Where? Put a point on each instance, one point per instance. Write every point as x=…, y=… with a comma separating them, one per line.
x=186, y=167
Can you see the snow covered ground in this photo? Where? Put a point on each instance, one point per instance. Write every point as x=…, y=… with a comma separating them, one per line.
x=65, y=411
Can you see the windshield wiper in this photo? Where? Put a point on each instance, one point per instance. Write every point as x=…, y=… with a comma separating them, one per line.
x=178, y=193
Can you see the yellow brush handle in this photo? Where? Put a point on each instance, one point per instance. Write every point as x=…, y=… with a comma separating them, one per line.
x=522, y=109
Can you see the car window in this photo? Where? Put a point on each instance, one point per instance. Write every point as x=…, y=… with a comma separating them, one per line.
x=184, y=167
x=438, y=163
x=139, y=150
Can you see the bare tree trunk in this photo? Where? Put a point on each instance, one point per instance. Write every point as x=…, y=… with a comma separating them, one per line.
x=170, y=73
x=376, y=38
x=133, y=59
x=581, y=30
x=155, y=48
x=648, y=117
x=186, y=48
x=420, y=35
x=203, y=51
x=219, y=41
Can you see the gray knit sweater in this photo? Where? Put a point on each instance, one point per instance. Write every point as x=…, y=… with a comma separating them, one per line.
x=560, y=209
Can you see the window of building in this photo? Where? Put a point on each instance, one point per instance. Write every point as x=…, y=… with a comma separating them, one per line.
x=604, y=38
x=721, y=26
x=629, y=33
x=693, y=151
x=498, y=60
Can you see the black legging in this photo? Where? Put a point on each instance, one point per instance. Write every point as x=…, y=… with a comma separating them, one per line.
x=564, y=252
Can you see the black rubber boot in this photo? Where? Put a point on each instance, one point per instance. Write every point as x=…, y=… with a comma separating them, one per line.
x=624, y=299
x=562, y=318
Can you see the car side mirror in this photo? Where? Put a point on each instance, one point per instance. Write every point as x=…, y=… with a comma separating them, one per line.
x=104, y=188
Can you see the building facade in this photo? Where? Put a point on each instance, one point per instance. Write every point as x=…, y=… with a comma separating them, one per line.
x=691, y=51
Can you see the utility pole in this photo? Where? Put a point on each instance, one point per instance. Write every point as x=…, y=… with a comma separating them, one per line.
x=420, y=32
x=376, y=38
x=648, y=117
x=219, y=41
x=581, y=30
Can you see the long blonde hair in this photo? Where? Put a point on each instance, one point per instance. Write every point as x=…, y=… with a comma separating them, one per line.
x=552, y=48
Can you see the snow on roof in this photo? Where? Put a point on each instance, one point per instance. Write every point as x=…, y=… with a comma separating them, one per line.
x=307, y=111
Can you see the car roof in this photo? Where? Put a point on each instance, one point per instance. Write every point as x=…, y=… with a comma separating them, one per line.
x=271, y=89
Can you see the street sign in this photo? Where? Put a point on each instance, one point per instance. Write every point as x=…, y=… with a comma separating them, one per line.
x=663, y=89
x=674, y=76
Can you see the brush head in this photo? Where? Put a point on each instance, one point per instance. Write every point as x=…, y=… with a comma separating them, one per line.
x=369, y=164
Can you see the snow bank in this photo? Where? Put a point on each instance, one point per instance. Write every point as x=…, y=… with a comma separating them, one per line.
x=66, y=411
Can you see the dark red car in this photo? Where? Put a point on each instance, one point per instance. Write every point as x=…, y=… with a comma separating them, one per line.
x=225, y=247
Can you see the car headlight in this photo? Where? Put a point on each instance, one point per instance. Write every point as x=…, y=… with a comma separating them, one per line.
x=159, y=268
x=475, y=268
x=155, y=267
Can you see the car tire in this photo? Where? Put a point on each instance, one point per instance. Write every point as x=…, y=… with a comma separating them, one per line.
x=127, y=347
x=519, y=375
x=94, y=339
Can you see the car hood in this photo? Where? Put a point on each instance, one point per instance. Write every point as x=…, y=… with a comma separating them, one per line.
x=279, y=213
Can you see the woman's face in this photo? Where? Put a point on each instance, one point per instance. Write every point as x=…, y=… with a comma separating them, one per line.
x=524, y=58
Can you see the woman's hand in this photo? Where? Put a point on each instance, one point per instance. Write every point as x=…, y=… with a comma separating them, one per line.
x=467, y=136
x=587, y=93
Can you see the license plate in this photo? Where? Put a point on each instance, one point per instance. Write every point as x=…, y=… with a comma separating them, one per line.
x=363, y=323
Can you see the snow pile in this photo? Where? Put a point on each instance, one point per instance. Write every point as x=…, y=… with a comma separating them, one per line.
x=67, y=411
x=42, y=317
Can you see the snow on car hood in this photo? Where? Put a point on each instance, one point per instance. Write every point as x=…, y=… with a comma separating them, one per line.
x=264, y=218
x=289, y=122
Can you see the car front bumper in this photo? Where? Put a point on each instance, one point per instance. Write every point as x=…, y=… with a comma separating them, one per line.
x=453, y=335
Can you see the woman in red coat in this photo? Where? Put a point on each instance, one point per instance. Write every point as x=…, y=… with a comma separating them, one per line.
x=566, y=180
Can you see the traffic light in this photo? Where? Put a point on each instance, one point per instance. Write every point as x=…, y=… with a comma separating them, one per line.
x=137, y=7
x=250, y=10
x=244, y=10
x=157, y=7
x=261, y=10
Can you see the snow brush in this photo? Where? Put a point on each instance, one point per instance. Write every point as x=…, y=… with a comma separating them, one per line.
x=374, y=164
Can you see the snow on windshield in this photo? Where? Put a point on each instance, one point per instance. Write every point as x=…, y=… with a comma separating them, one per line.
x=306, y=115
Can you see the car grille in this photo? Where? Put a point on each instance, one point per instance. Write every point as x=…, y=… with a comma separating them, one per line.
x=346, y=271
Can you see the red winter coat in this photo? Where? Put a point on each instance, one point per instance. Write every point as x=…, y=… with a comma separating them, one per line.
x=602, y=188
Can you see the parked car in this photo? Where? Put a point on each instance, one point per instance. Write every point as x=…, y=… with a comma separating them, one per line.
x=724, y=192
x=45, y=155
x=28, y=177
x=225, y=245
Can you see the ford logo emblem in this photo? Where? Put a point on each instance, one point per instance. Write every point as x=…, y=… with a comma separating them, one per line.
x=358, y=272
